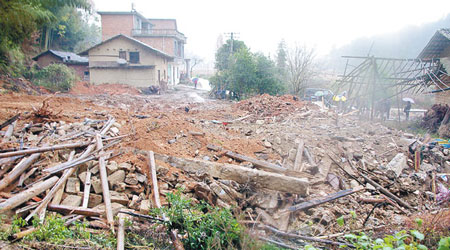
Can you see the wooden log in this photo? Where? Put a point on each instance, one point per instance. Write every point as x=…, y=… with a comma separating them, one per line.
x=313, y=203
x=104, y=180
x=40, y=210
x=25, y=176
x=23, y=165
x=26, y=195
x=309, y=157
x=299, y=156
x=62, y=209
x=153, y=177
x=257, y=163
x=214, y=147
x=121, y=233
x=44, y=149
x=9, y=132
x=240, y=174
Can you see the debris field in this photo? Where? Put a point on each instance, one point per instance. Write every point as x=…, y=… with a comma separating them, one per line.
x=287, y=168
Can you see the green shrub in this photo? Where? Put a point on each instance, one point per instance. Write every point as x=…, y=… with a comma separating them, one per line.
x=205, y=227
x=55, y=77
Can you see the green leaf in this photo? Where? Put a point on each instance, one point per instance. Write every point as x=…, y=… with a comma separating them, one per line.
x=354, y=216
x=419, y=222
x=422, y=247
x=340, y=221
x=418, y=235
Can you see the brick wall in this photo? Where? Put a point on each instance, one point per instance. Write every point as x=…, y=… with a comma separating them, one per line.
x=116, y=24
x=79, y=70
x=164, y=44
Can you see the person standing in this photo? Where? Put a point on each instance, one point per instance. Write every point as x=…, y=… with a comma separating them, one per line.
x=407, y=109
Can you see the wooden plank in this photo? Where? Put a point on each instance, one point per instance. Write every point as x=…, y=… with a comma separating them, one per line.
x=299, y=156
x=9, y=121
x=121, y=233
x=87, y=189
x=153, y=177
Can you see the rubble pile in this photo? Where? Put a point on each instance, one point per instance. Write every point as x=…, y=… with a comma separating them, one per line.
x=270, y=106
x=434, y=116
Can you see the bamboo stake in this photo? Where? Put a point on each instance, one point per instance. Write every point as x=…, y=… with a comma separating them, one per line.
x=23, y=165
x=121, y=233
x=24, y=196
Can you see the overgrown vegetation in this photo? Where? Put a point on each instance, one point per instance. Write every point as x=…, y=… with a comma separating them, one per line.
x=53, y=23
x=55, y=77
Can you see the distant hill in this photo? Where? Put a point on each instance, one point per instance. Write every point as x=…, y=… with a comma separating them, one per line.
x=406, y=43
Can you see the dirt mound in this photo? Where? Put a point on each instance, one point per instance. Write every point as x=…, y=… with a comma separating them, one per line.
x=266, y=105
x=85, y=88
x=18, y=85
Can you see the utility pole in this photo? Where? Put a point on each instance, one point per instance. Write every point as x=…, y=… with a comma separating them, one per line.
x=231, y=35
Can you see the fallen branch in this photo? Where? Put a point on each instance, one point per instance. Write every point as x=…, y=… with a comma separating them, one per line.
x=62, y=209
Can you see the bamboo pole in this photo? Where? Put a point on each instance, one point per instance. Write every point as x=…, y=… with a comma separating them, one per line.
x=121, y=233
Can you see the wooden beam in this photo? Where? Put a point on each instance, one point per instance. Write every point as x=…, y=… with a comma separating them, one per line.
x=104, y=180
x=75, y=210
x=153, y=178
x=23, y=165
x=240, y=174
x=313, y=203
x=257, y=163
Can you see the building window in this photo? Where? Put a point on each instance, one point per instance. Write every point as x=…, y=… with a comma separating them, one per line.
x=134, y=57
x=123, y=55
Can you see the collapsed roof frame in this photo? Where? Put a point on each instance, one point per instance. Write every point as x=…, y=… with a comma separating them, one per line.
x=372, y=74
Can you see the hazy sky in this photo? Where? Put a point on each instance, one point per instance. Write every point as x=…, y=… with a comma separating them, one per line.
x=262, y=24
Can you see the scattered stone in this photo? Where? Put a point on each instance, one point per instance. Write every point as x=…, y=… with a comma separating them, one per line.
x=120, y=198
x=96, y=184
x=145, y=206
x=125, y=166
x=131, y=179
x=72, y=200
x=116, y=178
x=111, y=167
x=73, y=185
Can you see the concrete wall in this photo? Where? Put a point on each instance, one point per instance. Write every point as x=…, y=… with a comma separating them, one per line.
x=116, y=24
x=108, y=53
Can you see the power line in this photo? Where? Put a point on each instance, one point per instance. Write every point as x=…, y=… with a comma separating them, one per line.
x=232, y=36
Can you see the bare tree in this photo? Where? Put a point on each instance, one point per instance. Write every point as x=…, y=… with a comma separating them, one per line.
x=195, y=61
x=300, y=67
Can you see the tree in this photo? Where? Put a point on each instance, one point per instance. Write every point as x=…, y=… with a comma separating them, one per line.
x=244, y=73
x=281, y=57
x=300, y=68
x=195, y=61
